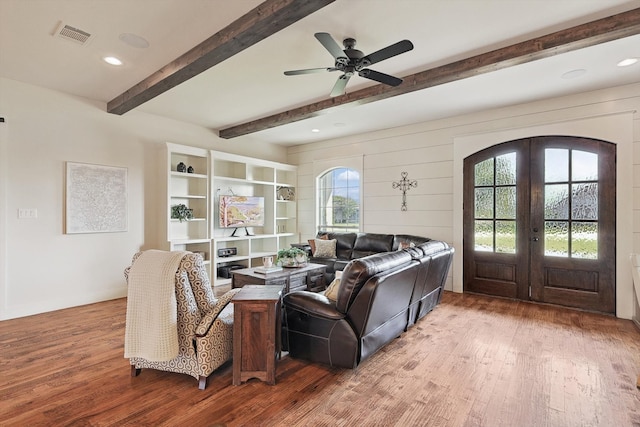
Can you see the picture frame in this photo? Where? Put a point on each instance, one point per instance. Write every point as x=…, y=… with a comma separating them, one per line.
x=286, y=193
x=95, y=198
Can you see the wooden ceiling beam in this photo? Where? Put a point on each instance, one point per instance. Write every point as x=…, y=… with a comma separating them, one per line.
x=261, y=22
x=596, y=32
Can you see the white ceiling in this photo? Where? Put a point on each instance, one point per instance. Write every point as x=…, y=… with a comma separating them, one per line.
x=251, y=84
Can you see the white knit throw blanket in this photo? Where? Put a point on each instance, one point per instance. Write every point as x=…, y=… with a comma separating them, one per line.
x=151, y=329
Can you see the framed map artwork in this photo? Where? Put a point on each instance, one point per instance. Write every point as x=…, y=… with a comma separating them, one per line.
x=96, y=198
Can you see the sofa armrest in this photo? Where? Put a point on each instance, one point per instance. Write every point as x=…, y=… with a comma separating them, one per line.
x=313, y=304
x=210, y=317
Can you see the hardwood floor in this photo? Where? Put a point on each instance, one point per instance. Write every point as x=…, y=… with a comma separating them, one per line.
x=473, y=361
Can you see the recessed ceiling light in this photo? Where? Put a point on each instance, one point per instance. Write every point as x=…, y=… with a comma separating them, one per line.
x=627, y=62
x=315, y=130
x=574, y=73
x=112, y=60
x=134, y=40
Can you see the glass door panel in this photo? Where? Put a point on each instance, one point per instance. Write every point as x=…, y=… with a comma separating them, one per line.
x=495, y=204
x=564, y=169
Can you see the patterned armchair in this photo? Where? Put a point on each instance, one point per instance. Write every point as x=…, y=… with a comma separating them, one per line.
x=204, y=323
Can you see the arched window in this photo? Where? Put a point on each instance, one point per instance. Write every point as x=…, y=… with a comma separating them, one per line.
x=339, y=200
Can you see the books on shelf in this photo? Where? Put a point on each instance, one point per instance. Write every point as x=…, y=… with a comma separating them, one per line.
x=267, y=270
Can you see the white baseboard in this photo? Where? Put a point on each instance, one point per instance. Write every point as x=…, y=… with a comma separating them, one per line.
x=29, y=309
x=637, y=322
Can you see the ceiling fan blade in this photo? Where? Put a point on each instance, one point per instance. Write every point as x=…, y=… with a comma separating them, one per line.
x=330, y=44
x=341, y=84
x=388, y=52
x=309, y=71
x=380, y=77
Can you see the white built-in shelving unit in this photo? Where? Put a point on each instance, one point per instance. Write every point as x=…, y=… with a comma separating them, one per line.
x=192, y=190
x=245, y=176
x=217, y=173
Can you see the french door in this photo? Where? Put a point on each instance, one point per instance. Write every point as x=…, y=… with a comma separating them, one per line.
x=539, y=221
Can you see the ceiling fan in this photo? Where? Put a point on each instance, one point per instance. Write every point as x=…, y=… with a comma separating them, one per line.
x=351, y=61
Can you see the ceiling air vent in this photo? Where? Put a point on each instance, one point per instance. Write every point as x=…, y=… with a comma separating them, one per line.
x=73, y=34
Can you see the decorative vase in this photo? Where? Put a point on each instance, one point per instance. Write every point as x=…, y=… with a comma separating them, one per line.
x=190, y=169
x=181, y=167
x=288, y=262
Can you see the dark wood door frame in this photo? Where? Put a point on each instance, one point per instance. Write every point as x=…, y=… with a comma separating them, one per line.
x=529, y=273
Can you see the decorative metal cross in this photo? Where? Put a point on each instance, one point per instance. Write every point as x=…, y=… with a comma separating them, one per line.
x=405, y=185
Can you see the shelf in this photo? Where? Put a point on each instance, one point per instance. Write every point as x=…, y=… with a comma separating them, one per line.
x=188, y=175
x=242, y=180
x=262, y=236
x=229, y=238
x=226, y=259
x=188, y=241
x=187, y=196
x=189, y=220
x=236, y=238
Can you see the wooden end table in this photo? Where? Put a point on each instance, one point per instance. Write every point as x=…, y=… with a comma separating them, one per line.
x=256, y=333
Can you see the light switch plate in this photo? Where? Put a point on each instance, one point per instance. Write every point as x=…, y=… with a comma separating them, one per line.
x=27, y=213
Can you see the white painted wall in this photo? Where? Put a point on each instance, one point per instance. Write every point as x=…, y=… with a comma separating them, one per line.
x=3, y=211
x=432, y=153
x=42, y=269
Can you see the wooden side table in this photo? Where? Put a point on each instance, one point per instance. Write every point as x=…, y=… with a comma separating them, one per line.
x=256, y=333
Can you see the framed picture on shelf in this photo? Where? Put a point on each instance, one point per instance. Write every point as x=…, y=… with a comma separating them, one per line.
x=286, y=193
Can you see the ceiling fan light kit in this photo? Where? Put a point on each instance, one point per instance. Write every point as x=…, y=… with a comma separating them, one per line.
x=352, y=61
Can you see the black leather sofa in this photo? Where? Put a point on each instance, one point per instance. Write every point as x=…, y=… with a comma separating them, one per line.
x=351, y=246
x=380, y=296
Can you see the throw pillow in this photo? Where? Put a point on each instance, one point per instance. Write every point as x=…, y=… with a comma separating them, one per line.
x=332, y=291
x=406, y=245
x=325, y=248
x=312, y=243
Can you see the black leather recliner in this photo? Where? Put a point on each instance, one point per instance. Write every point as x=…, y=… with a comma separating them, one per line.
x=432, y=275
x=379, y=297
